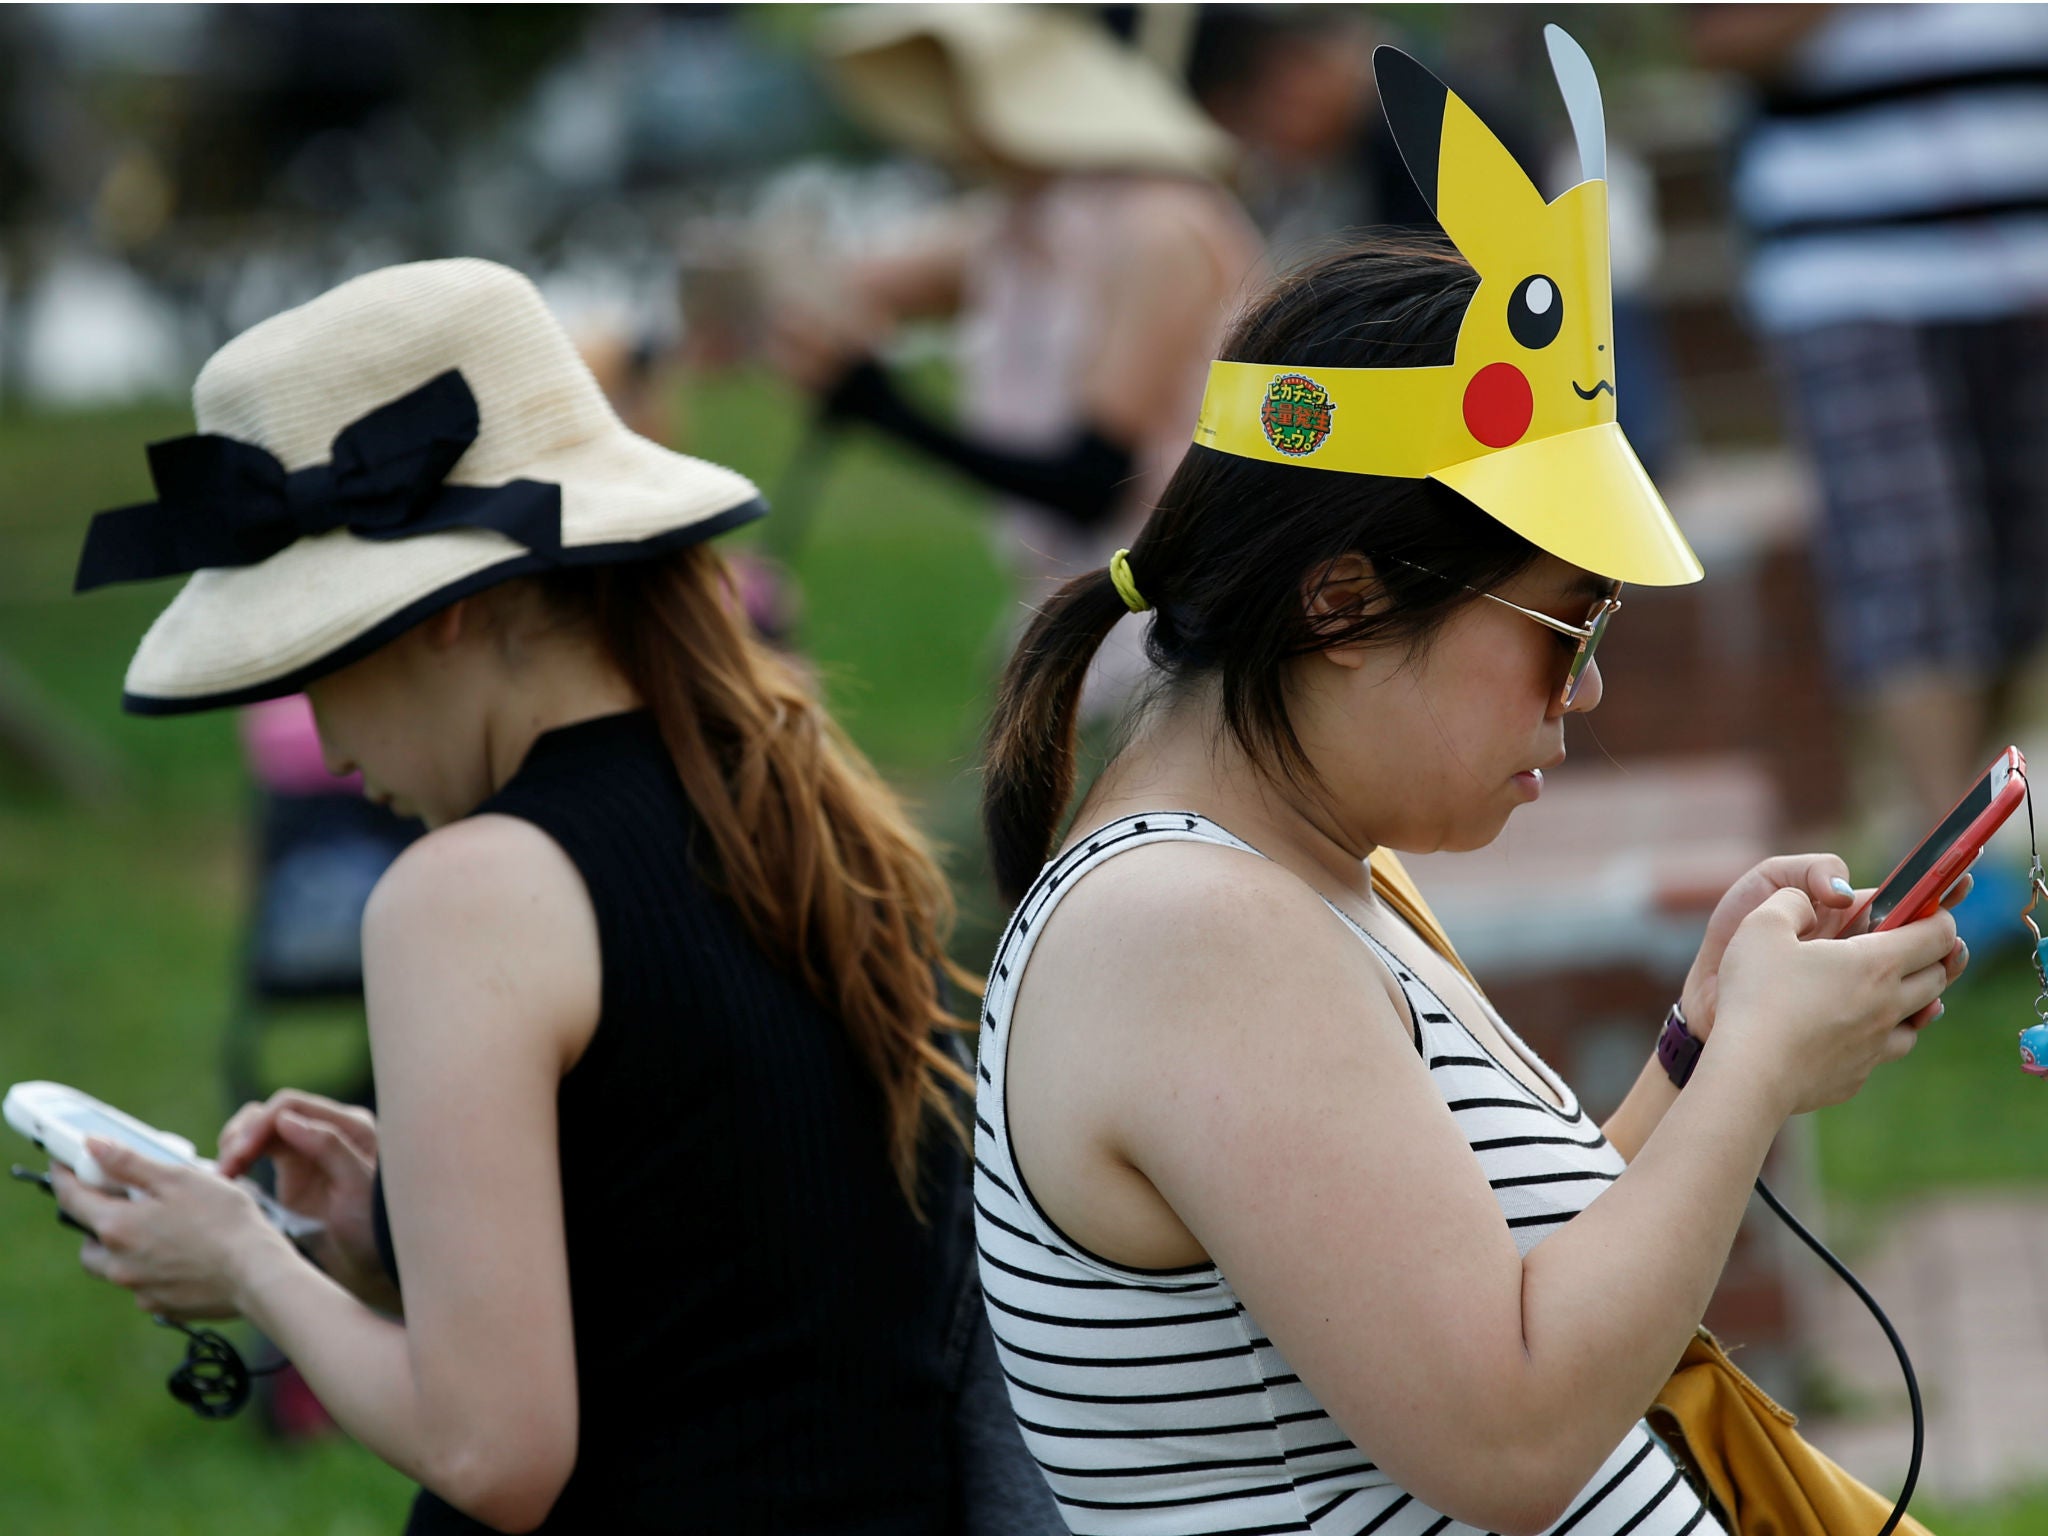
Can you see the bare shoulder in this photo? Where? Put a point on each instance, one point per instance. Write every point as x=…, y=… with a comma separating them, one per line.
x=1176, y=200
x=1162, y=984
x=1165, y=216
x=1170, y=883
x=1197, y=930
x=1183, y=1001
x=498, y=869
x=486, y=914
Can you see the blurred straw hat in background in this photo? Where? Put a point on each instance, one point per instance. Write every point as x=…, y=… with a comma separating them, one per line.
x=1042, y=87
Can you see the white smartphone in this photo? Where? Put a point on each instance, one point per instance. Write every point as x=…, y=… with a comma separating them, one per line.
x=60, y=1120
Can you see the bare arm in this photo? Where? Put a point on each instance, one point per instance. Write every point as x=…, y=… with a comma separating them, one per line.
x=1270, y=1094
x=482, y=977
x=1163, y=313
x=481, y=961
x=925, y=283
x=1649, y=1098
x=821, y=322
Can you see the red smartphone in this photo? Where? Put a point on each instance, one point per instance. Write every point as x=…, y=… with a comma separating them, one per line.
x=1915, y=888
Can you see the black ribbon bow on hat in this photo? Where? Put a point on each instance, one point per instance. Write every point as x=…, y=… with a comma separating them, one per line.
x=222, y=502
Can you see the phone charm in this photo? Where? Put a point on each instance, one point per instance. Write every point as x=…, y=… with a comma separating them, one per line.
x=2034, y=1038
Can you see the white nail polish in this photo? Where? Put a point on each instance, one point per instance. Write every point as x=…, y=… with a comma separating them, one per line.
x=1842, y=887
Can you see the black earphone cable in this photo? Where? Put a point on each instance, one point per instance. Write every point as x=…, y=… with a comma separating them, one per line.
x=1898, y=1345
x=212, y=1380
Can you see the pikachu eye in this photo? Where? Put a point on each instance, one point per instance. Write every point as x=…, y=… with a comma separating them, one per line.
x=1535, y=311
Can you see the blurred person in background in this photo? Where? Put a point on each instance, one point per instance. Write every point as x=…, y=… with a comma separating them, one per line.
x=661, y=1221
x=1894, y=181
x=1293, y=85
x=1091, y=275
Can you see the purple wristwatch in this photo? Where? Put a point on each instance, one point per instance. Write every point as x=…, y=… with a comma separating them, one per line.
x=1678, y=1048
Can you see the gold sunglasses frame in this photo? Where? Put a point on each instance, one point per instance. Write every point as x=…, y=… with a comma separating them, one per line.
x=1589, y=634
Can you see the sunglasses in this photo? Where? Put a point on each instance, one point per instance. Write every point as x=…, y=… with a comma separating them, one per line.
x=1588, y=634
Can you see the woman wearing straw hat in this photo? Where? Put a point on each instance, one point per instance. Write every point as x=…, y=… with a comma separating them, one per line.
x=665, y=1173
x=1090, y=290
x=1282, y=1229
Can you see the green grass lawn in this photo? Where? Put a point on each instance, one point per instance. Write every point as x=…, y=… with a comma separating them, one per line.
x=1958, y=1110
x=2021, y=1515
x=119, y=929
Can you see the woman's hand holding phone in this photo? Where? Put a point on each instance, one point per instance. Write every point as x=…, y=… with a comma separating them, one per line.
x=325, y=1154
x=1816, y=1018
x=1816, y=874
x=1823, y=877
x=176, y=1234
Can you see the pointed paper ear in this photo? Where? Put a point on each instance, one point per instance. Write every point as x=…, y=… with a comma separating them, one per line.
x=1479, y=193
x=1471, y=183
x=1413, y=100
x=1581, y=90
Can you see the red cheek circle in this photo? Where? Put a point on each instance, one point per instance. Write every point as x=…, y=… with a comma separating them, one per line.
x=1498, y=405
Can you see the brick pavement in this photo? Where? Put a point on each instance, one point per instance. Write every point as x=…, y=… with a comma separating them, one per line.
x=1964, y=1279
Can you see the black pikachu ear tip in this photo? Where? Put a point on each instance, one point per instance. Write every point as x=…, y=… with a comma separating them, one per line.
x=1413, y=100
x=1403, y=77
x=1385, y=55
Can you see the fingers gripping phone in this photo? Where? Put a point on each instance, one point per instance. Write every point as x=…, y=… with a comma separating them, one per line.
x=1914, y=890
x=60, y=1120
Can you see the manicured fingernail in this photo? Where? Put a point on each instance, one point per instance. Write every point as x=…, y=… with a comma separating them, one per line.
x=1939, y=1009
x=1841, y=887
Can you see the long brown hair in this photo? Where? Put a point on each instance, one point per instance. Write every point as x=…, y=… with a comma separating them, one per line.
x=1226, y=554
x=809, y=844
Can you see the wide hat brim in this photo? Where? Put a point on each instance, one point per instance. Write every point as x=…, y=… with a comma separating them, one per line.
x=1035, y=85
x=241, y=635
x=349, y=374
x=1584, y=497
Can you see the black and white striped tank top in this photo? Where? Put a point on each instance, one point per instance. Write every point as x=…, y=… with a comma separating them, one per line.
x=1153, y=1401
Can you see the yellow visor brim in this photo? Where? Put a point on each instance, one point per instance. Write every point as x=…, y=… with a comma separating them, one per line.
x=1584, y=497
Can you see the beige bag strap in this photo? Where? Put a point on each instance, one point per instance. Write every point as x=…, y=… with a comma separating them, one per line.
x=1393, y=886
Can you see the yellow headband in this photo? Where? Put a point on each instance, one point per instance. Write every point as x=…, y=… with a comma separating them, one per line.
x=1522, y=421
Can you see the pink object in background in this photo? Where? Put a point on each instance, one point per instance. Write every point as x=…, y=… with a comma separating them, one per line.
x=765, y=595
x=295, y=1413
x=283, y=748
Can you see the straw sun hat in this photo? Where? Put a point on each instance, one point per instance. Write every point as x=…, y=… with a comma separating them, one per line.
x=404, y=440
x=1033, y=83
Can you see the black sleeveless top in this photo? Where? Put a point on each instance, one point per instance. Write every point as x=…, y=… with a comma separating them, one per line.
x=766, y=1339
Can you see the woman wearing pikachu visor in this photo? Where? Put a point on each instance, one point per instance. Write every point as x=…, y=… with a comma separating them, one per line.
x=1282, y=1229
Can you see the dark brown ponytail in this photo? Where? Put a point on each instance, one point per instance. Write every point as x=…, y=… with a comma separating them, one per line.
x=1029, y=763
x=1227, y=555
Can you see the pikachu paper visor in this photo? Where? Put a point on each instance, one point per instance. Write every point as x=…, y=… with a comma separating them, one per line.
x=1521, y=423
